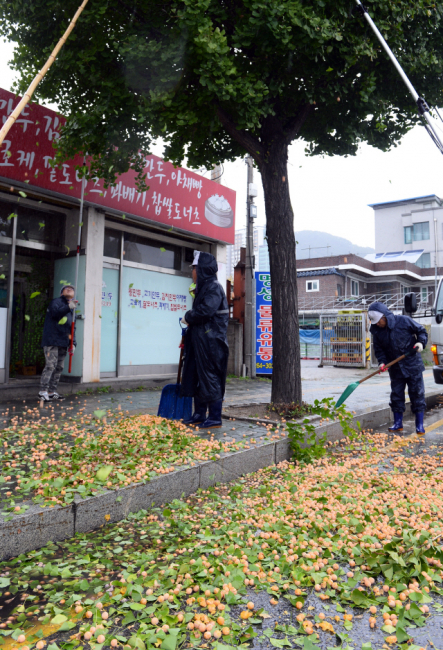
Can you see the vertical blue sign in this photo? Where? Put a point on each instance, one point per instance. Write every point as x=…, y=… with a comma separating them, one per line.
x=263, y=320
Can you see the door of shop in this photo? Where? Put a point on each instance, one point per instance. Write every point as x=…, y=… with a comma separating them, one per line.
x=109, y=322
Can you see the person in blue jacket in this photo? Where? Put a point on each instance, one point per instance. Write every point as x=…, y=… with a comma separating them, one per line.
x=56, y=340
x=206, y=347
x=392, y=337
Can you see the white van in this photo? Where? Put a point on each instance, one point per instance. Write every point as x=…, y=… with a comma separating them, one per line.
x=437, y=335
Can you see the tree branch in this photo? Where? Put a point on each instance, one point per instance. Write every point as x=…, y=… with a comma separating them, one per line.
x=294, y=125
x=248, y=141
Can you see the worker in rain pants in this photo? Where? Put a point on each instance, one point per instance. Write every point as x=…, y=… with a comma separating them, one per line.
x=206, y=346
x=392, y=337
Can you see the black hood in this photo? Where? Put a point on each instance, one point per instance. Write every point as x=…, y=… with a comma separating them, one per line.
x=206, y=268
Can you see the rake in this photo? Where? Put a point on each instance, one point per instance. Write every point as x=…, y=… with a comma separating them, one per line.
x=350, y=389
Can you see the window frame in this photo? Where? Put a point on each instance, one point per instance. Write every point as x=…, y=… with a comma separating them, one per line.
x=317, y=282
x=355, y=282
x=421, y=224
x=408, y=230
x=421, y=266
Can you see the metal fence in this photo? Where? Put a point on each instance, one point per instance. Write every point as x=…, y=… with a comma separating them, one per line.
x=343, y=340
x=394, y=301
x=309, y=350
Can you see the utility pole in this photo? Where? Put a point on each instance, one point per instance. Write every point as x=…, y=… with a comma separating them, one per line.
x=249, y=337
x=436, y=258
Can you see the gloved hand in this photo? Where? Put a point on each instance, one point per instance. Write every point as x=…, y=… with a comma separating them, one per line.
x=382, y=368
x=418, y=347
x=72, y=304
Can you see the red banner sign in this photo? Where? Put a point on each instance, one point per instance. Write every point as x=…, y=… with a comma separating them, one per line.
x=176, y=197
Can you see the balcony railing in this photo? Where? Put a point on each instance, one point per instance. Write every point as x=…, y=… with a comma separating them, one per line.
x=393, y=301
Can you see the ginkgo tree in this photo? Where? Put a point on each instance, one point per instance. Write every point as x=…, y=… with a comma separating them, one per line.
x=220, y=78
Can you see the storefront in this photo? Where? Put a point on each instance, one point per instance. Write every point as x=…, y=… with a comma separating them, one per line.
x=136, y=249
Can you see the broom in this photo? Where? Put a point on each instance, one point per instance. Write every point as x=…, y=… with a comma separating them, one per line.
x=350, y=389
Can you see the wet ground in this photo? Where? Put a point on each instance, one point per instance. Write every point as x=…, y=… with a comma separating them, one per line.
x=279, y=626
x=317, y=383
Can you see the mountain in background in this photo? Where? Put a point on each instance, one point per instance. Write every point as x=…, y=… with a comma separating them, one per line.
x=318, y=241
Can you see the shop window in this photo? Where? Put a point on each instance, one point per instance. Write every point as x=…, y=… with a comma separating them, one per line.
x=354, y=288
x=153, y=253
x=6, y=218
x=312, y=285
x=424, y=261
x=4, y=274
x=420, y=231
x=40, y=227
x=189, y=255
x=111, y=246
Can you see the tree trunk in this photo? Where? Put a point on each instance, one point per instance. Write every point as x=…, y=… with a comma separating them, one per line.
x=286, y=376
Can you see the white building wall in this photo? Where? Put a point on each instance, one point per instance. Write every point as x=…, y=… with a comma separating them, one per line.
x=391, y=219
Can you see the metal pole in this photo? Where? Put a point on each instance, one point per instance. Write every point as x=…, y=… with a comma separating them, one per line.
x=436, y=256
x=320, y=365
x=79, y=234
x=77, y=262
x=10, y=300
x=422, y=106
x=249, y=273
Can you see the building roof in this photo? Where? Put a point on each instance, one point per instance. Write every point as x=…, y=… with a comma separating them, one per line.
x=403, y=201
x=310, y=274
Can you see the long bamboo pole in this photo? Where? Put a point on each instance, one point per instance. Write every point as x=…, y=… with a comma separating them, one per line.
x=28, y=94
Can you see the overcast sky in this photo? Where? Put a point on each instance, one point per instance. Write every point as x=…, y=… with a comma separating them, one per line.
x=332, y=194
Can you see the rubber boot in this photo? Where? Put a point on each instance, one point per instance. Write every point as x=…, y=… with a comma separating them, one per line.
x=214, y=420
x=398, y=422
x=199, y=415
x=419, y=426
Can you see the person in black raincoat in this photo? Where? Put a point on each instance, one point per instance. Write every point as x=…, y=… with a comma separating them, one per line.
x=392, y=337
x=206, y=346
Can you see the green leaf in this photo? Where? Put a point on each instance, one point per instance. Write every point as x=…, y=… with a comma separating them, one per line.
x=162, y=250
x=99, y=415
x=12, y=216
x=131, y=285
x=23, y=194
x=103, y=473
x=27, y=317
x=63, y=320
x=67, y=626
x=59, y=619
x=280, y=643
x=358, y=597
x=35, y=294
x=2, y=276
x=137, y=607
x=389, y=629
x=4, y=582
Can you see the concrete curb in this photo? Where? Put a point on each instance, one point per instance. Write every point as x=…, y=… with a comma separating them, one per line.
x=40, y=525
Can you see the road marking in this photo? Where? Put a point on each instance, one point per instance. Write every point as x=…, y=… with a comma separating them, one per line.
x=437, y=424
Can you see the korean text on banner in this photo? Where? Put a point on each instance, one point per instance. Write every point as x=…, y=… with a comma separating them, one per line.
x=177, y=198
x=263, y=323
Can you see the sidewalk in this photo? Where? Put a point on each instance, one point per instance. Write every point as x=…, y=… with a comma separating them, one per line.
x=317, y=384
